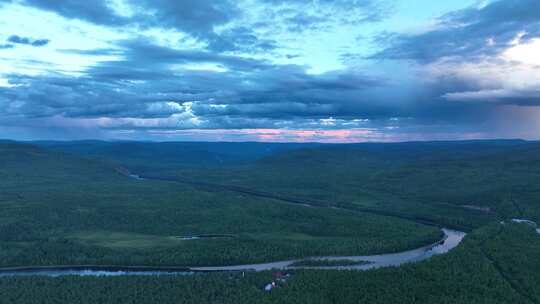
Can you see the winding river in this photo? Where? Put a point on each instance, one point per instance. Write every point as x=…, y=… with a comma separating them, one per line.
x=451, y=239
x=528, y=222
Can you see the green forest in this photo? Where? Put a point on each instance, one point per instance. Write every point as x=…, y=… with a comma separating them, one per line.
x=495, y=264
x=73, y=211
x=73, y=203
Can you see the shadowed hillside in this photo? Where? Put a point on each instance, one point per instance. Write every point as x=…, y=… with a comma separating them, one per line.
x=461, y=184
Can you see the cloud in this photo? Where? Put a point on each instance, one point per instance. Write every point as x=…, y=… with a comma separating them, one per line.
x=222, y=25
x=153, y=87
x=149, y=73
x=236, y=76
x=240, y=38
x=6, y=46
x=301, y=15
x=197, y=18
x=467, y=33
x=28, y=41
x=508, y=96
x=479, y=58
x=490, y=80
x=96, y=11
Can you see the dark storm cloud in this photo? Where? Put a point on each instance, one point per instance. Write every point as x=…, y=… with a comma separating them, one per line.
x=240, y=38
x=200, y=18
x=308, y=15
x=27, y=41
x=95, y=11
x=196, y=17
x=150, y=86
x=467, y=33
x=149, y=81
x=521, y=97
x=147, y=78
x=465, y=48
x=35, y=97
x=360, y=10
x=143, y=60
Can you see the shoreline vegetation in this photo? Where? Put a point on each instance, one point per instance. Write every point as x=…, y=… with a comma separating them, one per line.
x=450, y=240
x=494, y=264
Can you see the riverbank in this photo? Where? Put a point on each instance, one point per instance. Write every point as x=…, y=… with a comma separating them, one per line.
x=450, y=240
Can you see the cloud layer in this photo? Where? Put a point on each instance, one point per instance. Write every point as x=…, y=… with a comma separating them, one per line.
x=224, y=71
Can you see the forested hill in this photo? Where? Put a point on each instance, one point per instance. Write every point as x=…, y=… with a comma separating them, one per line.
x=463, y=183
x=65, y=209
x=22, y=162
x=173, y=153
x=219, y=153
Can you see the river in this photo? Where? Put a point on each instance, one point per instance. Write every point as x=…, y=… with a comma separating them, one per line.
x=528, y=222
x=451, y=239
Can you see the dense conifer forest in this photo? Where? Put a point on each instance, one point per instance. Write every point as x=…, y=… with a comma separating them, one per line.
x=74, y=203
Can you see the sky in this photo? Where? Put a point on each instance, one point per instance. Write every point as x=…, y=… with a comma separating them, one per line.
x=269, y=70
